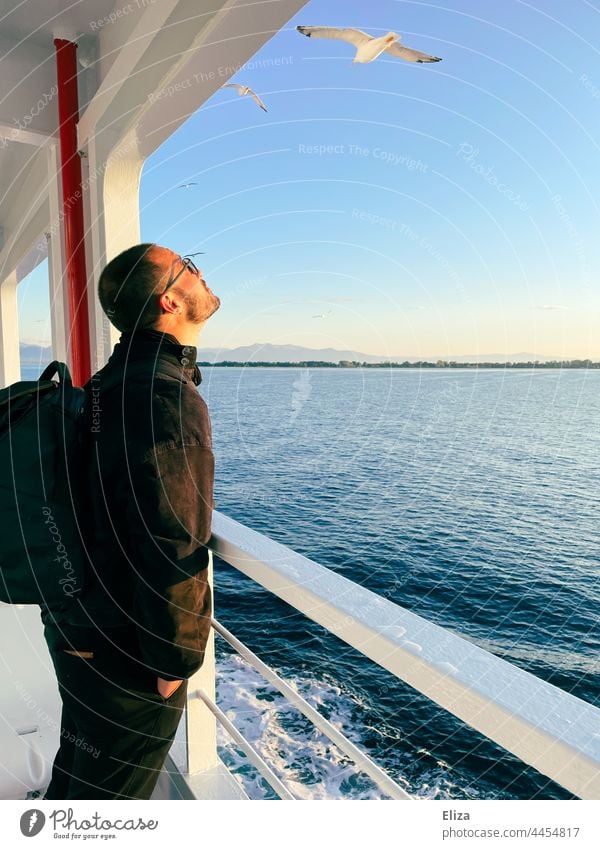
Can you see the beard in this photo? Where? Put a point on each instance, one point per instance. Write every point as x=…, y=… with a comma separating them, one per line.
x=199, y=307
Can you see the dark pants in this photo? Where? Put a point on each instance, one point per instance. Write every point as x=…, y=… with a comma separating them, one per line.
x=116, y=728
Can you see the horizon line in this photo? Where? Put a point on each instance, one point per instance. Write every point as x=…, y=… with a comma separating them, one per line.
x=405, y=357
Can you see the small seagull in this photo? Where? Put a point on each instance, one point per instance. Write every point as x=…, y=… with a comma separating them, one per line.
x=323, y=314
x=245, y=89
x=186, y=185
x=369, y=47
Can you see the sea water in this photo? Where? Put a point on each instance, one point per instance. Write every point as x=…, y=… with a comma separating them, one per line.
x=467, y=496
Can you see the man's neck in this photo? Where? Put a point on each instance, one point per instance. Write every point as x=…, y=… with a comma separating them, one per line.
x=188, y=334
x=192, y=337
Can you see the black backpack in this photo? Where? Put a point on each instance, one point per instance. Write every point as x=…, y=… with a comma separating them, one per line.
x=42, y=553
x=43, y=501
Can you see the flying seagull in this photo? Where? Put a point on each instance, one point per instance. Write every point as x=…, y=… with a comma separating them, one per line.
x=323, y=314
x=367, y=46
x=245, y=89
x=186, y=185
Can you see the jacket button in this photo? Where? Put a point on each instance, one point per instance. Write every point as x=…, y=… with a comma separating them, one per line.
x=187, y=350
x=184, y=361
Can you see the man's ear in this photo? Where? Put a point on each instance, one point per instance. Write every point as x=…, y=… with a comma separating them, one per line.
x=168, y=303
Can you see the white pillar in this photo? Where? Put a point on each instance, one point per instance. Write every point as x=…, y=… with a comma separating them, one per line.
x=59, y=306
x=10, y=356
x=195, y=749
x=56, y=292
x=111, y=181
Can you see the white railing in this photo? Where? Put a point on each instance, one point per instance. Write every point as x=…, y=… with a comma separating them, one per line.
x=362, y=762
x=544, y=726
x=253, y=756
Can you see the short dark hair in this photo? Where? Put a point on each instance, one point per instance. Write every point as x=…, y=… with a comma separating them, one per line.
x=126, y=287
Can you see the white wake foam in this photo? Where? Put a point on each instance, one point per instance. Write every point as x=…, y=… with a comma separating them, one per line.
x=307, y=763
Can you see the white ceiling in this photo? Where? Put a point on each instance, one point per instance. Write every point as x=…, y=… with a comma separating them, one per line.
x=42, y=20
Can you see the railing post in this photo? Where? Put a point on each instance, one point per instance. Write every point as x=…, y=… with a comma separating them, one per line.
x=195, y=748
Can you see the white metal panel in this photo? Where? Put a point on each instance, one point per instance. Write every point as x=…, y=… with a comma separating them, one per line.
x=9, y=135
x=28, y=79
x=40, y=20
x=215, y=784
x=24, y=208
x=10, y=358
x=29, y=696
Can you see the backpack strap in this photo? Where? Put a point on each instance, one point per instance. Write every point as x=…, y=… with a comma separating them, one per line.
x=61, y=369
x=24, y=388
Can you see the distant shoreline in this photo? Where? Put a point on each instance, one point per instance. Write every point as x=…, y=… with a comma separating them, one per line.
x=419, y=364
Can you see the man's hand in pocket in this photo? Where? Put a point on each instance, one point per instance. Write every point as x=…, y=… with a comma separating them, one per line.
x=167, y=688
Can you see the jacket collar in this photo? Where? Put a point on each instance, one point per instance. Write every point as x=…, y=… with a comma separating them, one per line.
x=137, y=345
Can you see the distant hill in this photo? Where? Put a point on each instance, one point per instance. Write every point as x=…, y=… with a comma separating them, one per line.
x=266, y=352
x=34, y=355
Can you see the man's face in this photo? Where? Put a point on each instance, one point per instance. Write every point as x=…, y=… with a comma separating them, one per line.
x=200, y=302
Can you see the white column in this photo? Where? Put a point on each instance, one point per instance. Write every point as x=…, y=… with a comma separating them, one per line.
x=59, y=305
x=111, y=180
x=58, y=315
x=10, y=356
x=195, y=749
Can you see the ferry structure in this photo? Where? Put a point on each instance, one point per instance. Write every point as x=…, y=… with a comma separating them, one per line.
x=89, y=91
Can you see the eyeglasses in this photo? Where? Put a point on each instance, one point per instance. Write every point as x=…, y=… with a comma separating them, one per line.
x=186, y=263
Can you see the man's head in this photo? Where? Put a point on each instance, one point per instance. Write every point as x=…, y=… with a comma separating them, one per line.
x=136, y=291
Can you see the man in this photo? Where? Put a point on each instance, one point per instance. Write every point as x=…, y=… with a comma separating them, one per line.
x=123, y=652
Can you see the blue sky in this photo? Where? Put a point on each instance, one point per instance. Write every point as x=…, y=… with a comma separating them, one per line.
x=422, y=210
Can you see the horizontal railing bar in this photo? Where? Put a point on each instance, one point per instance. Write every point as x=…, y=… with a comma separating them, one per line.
x=362, y=761
x=250, y=752
x=544, y=726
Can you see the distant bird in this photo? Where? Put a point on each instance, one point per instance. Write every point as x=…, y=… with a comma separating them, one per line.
x=323, y=314
x=245, y=89
x=186, y=185
x=368, y=46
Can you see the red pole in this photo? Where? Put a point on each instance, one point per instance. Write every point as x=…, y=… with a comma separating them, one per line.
x=72, y=204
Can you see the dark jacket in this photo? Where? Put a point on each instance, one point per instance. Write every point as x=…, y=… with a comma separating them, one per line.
x=150, y=489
